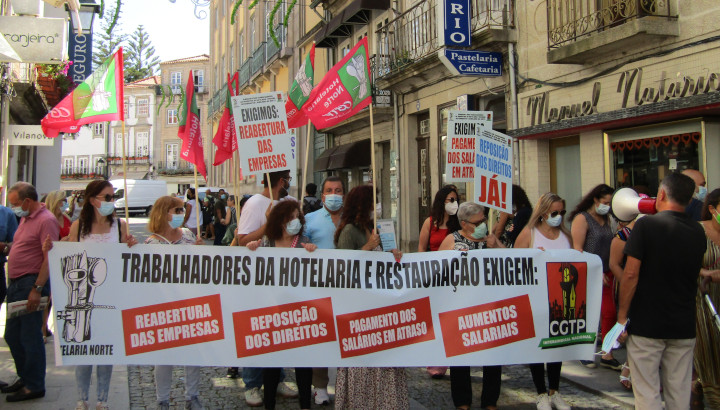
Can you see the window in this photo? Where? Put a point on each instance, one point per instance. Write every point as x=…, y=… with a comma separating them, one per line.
x=98, y=168
x=98, y=128
x=172, y=117
x=252, y=32
x=142, y=144
x=176, y=81
x=171, y=156
x=83, y=163
x=241, y=48
x=125, y=108
x=143, y=107
x=199, y=79
x=67, y=167
x=118, y=144
x=232, y=57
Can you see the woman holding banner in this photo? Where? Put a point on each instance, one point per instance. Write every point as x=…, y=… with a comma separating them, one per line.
x=97, y=224
x=166, y=218
x=473, y=234
x=284, y=229
x=546, y=231
x=366, y=387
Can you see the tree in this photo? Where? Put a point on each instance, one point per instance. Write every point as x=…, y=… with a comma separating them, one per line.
x=141, y=59
x=107, y=41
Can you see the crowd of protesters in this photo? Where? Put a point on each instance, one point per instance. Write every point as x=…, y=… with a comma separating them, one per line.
x=651, y=269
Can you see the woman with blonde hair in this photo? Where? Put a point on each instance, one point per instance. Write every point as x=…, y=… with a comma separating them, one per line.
x=546, y=231
x=165, y=226
x=56, y=203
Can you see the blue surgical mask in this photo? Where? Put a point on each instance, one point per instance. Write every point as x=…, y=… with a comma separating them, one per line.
x=554, y=221
x=602, y=209
x=701, y=193
x=20, y=212
x=223, y=196
x=177, y=220
x=64, y=207
x=293, y=227
x=106, y=208
x=333, y=202
x=480, y=232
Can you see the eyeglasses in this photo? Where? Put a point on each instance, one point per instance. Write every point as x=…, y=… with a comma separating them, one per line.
x=288, y=179
x=553, y=214
x=106, y=197
x=476, y=223
x=179, y=210
x=450, y=200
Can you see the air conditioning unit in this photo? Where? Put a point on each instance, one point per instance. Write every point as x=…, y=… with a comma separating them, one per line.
x=425, y=127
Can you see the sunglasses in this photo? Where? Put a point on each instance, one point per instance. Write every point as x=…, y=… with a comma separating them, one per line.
x=179, y=210
x=553, y=214
x=450, y=200
x=107, y=197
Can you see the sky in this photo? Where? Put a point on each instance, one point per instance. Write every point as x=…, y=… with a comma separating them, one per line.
x=173, y=29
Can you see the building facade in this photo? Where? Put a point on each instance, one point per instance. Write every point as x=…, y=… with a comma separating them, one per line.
x=84, y=156
x=167, y=164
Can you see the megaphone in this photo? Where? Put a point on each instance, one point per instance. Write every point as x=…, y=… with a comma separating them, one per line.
x=626, y=204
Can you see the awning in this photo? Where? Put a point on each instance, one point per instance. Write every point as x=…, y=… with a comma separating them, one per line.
x=359, y=12
x=353, y=155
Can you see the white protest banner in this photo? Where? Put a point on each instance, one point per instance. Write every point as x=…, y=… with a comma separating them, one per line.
x=264, y=142
x=494, y=170
x=228, y=306
x=463, y=129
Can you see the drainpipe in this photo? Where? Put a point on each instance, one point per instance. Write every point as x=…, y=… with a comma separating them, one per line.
x=396, y=120
x=514, y=109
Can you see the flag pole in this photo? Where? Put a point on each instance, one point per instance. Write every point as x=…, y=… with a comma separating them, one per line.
x=197, y=211
x=307, y=152
x=372, y=161
x=124, y=163
x=267, y=178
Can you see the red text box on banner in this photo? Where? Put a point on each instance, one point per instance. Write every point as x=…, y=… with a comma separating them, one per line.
x=283, y=327
x=385, y=328
x=485, y=326
x=173, y=324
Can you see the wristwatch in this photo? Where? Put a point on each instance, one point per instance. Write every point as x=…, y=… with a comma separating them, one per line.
x=38, y=288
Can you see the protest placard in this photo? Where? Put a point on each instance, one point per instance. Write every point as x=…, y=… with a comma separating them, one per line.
x=463, y=129
x=494, y=170
x=222, y=306
x=264, y=141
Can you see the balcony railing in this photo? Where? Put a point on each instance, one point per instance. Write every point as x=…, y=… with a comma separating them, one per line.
x=258, y=59
x=81, y=173
x=217, y=102
x=179, y=167
x=244, y=71
x=131, y=159
x=271, y=47
x=571, y=20
x=413, y=35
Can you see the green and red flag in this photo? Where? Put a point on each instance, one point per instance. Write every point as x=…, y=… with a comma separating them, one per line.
x=300, y=91
x=225, y=139
x=99, y=98
x=189, y=130
x=343, y=91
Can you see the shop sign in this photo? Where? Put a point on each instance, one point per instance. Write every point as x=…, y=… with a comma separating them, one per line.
x=664, y=90
x=382, y=98
x=80, y=50
x=35, y=39
x=454, y=23
x=28, y=135
x=472, y=63
x=538, y=108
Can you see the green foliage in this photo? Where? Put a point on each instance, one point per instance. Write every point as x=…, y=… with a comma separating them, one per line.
x=107, y=40
x=140, y=59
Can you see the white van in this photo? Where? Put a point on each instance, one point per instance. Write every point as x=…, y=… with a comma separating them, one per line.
x=141, y=194
x=201, y=191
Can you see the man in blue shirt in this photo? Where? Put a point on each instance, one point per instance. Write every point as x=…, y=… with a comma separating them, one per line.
x=8, y=226
x=320, y=228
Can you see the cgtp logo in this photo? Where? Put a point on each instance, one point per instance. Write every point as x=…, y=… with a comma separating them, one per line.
x=567, y=296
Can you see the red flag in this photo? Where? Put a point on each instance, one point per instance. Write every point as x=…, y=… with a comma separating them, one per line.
x=300, y=91
x=189, y=130
x=225, y=138
x=343, y=91
x=99, y=98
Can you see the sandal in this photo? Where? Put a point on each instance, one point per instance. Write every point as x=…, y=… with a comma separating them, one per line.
x=625, y=380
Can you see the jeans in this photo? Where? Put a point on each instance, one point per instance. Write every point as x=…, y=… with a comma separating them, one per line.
x=219, y=233
x=163, y=381
x=253, y=377
x=83, y=374
x=272, y=377
x=23, y=335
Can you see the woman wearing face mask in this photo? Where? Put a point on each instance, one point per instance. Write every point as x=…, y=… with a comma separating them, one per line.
x=366, y=387
x=97, y=224
x=165, y=226
x=707, y=355
x=76, y=204
x=592, y=233
x=56, y=203
x=546, y=231
x=192, y=206
x=473, y=234
x=442, y=220
x=284, y=229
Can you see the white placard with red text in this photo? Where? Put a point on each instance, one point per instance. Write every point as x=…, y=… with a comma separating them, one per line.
x=494, y=170
x=463, y=129
x=228, y=306
x=264, y=140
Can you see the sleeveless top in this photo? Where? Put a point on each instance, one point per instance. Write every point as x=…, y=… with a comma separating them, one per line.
x=191, y=222
x=464, y=244
x=540, y=241
x=437, y=235
x=711, y=259
x=111, y=237
x=598, y=239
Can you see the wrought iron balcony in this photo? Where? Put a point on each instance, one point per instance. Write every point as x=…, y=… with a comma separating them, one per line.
x=271, y=47
x=572, y=20
x=244, y=71
x=413, y=35
x=258, y=59
x=217, y=102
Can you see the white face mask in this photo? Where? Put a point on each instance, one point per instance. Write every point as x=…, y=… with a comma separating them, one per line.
x=293, y=227
x=554, y=221
x=451, y=208
x=602, y=209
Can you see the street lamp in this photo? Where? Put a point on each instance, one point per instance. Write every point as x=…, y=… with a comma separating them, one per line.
x=82, y=16
x=101, y=163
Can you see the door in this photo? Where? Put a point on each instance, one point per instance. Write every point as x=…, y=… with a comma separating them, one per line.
x=424, y=199
x=565, y=170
